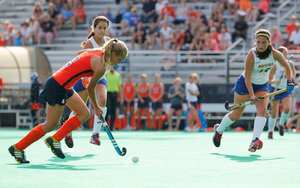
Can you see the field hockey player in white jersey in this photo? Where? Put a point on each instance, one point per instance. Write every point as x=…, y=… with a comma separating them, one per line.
x=278, y=81
x=96, y=39
x=253, y=83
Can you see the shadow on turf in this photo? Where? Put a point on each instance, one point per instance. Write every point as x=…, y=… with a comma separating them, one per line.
x=245, y=159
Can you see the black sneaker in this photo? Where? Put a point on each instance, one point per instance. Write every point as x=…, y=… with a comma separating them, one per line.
x=281, y=130
x=55, y=147
x=19, y=155
x=69, y=141
x=217, y=136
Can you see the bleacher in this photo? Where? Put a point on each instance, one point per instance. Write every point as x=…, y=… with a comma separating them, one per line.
x=229, y=64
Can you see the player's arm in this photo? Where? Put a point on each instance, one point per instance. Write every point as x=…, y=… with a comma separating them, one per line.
x=248, y=71
x=150, y=92
x=162, y=86
x=271, y=75
x=99, y=70
x=88, y=46
x=134, y=92
x=281, y=59
x=292, y=68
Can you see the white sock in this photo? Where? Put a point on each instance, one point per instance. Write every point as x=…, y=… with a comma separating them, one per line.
x=97, y=122
x=259, y=124
x=226, y=122
x=271, y=124
x=71, y=115
x=283, y=118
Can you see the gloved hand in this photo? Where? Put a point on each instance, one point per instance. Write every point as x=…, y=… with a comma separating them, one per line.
x=290, y=85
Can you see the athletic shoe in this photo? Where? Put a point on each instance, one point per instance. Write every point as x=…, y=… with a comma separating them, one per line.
x=270, y=135
x=19, y=155
x=55, y=147
x=281, y=130
x=176, y=129
x=188, y=129
x=95, y=139
x=255, y=145
x=69, y=141
x=217, y=136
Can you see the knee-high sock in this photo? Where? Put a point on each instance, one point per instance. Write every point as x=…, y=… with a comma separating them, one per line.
x=71, y=115
x=148, y=120
x=97, y=122
x=35, y=134
x=271, y=124
x=259, y=124
x=70, y=125
x=160, y=122
x=283, y=118
x=132, y=122
x=226, y=122
x=125, y=121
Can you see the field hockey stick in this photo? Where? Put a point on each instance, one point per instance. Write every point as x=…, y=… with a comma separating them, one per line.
x=250, y=102
x=114, y=143
x=279, y=80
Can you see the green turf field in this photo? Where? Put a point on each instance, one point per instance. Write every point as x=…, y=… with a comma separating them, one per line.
x=167, y=159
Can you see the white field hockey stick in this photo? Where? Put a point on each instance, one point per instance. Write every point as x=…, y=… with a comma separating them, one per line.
x=250, y=102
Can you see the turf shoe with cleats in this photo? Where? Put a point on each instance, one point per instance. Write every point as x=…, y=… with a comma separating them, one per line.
x=281, y=130
x=270, y=135
x=95, y=139
x=19, y=155
x=55, y=147
x=217, y=136
x=69, y=141
x=256, y=144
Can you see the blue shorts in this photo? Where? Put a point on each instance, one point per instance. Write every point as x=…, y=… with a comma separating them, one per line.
x=130, y=104
x=78, y=87
x=156, y=105
x=190, y=104
x=145, y=104
x=281, y=95
x=54, y=93
x=177, y=107
x=241, y=89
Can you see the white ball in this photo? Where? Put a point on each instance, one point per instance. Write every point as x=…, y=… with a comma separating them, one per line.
x=135, y=159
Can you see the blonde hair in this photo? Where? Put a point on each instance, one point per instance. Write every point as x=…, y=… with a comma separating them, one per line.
x=144, y=75
x=114, y=45
x=177, y=79
x=156, y=74
x=196, y=76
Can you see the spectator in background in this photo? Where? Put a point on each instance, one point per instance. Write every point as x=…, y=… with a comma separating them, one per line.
x=167, y=14
x=79, y=16
x=291, y=27
x=19, y=40
x=159, y=5
x=36, y=102
x=190, y=16
x=10, y=35
x=34, y=25
x=66, y=15
x=48, y=30
x=156, y=93
x=165, y=36
x=152, y=35
x=244, y=8
x=2, y=38
x=276, y=37
x=114, y=88
x=216, y=16
x=295, y=35
x=52, y=12
x=191, y=93
x=240, y=27
x=139, y=35
x=37, y=12
x=261, y=9
x=211, y=43
x=178, y=38
x=223, y=4
x=176, y=96
x=1, y=81
x=200, y=16
x=59, y=6
x=125, y=21
x=169, y=59
x=224, y=39
x=143, y=103
x=196, y=45
x=123, y=7
x=27, y=33
x=292, y=46
x=109, y=15
x=188, y=39
x=181, y=13
x=214, y=34
x=74, y=4
x=149, y=13
x=197, y=27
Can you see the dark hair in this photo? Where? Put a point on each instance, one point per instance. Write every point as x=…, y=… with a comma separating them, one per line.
x=267, y=52
x=94, y=25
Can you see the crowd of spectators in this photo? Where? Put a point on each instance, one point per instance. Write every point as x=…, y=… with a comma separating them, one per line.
x=47, y=17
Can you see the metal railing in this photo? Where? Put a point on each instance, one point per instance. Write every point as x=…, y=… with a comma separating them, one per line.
x=280, y=17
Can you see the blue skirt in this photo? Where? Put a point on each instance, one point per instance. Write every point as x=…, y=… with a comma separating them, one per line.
x=241, y=89
x=281, y=95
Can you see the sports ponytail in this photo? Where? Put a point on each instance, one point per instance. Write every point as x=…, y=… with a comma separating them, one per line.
x=113, y=45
